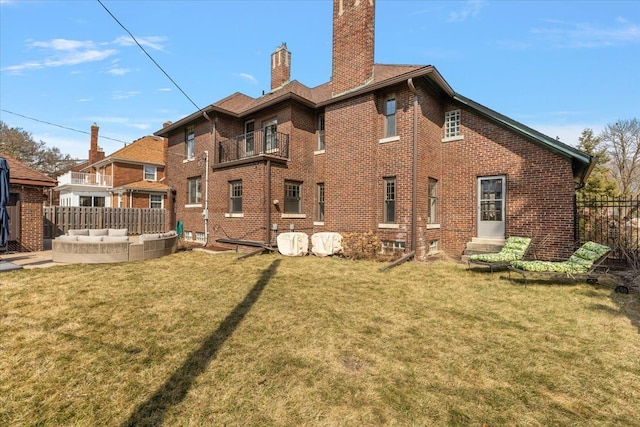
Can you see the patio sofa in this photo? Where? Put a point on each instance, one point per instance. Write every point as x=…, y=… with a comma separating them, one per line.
x=95, y=246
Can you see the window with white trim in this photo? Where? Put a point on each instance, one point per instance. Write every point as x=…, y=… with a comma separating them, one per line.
x=432, y=210
x=156, y=201
x=235, y=196
x=292, y=197
x=390, y=116
x=321, y=201
x=390, y=200
x=321, y=132
x=194, y=190
x=190, y=142
x=150, y=173
x=452, y=124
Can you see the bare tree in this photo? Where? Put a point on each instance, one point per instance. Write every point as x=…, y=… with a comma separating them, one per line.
x=20, y=145
x=623, y=144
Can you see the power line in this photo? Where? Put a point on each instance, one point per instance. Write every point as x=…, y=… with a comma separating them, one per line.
x=62, y=127
x=150, y=57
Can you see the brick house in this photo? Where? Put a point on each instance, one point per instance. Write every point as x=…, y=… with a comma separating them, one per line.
x=26, y=201
x=387, y=148
x=132, y=177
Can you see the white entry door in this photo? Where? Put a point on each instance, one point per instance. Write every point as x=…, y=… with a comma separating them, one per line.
x=491, y=212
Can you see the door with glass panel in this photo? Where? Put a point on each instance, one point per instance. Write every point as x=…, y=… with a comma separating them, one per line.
x=491, y=207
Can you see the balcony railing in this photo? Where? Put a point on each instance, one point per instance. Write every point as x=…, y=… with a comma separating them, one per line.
x=254, y=144
x=81, y=178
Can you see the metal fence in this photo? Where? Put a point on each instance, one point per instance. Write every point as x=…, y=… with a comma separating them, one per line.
x=59, y=219
x=614, y=222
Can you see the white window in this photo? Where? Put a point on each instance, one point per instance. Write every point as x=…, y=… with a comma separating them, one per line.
x=452, y=124
x=292, y=197
x=391, y=247
x=190, y=143
x=389, y=200
x=432, y=214
x=150, y=173
x=194, y=190
x=390, y=116
x=156, y=201
x=201, y=237
x=321, y=132
x=270, y=132
x=235, y=199
x=321, y=202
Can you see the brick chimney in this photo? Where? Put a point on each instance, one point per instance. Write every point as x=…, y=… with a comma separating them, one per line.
x=95, y=153
x=353, y=44
x=280, y=66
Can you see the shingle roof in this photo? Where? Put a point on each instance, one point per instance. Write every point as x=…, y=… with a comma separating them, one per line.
x=148, y=149
x=152, y=186
x=19, y=173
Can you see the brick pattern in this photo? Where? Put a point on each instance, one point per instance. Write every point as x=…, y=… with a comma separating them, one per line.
x=31, y=219
x=353, y=44
x=280, y=67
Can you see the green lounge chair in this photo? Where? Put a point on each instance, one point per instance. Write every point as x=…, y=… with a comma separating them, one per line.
x=583, y=262
x=515, y=248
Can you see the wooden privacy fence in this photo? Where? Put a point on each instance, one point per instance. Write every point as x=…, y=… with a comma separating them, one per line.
x=59, y=219
x=612, y=221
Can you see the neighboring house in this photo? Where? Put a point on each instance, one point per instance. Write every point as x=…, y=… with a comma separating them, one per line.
x=132, y=177
x=26, y=200
x=388, y=148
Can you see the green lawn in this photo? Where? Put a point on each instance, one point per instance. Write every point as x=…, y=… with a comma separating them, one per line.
x=197, y=339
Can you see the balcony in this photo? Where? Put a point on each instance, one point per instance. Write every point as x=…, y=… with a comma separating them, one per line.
x=250, y=146
x=88, y=179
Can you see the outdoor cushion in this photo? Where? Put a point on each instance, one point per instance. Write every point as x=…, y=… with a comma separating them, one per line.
x=64, y=238
x=90, y=239
x=115, y=239
x=118, y=232
x=79, y=232
x=98, y=232
x=579, y=262
x=514, y=249
x=150, y=237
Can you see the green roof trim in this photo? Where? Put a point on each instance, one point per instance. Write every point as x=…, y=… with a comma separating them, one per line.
x=582, y=162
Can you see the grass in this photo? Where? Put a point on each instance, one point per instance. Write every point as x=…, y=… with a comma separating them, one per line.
x=196, y=339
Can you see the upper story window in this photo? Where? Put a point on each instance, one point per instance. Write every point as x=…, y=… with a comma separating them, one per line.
x=432, y=217
x=235, y=196
x=452, y=124
x=270, y=129
x=390, y=200
x=249, y=137
x=150, y=173
x=156, y=201
x=194, y=190
x=321, y=132
x=292, y=197
x=390, y=116
x=190, y=143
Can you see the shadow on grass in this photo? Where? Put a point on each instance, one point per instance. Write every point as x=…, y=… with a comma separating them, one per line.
x=175, y=389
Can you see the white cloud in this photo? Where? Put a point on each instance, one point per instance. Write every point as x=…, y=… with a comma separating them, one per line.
x=141, y=126
x=153, y=42
x=471, y=9
x=65, y=52
x=85, y=99
x=124, y=94
x=248, y=77
x=584, y=35
x=164, y=89
x=118, y=71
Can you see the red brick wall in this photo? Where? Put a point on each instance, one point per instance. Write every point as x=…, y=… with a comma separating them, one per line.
x=353, y=44
x=539, y=197
x=31, y=219
x=539, y=193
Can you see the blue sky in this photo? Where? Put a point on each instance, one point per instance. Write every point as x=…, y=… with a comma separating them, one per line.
x=558, y=67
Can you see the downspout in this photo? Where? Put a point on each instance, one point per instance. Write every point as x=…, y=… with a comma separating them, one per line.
x=414, y=172
x=268, y=200
x=205, y=211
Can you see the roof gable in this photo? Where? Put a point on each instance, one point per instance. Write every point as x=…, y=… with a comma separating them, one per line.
x=19, y=173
